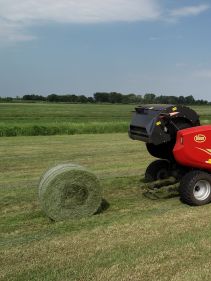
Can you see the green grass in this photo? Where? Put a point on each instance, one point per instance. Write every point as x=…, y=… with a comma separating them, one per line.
x=59, y=119
x=134, y=239
x=63, y=128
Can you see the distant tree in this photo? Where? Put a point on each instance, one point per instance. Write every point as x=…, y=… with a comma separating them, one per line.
x=201, y=102
x=8, y=99
x=115, y=97
x=53, y=98
x=149, y=98
x=33, y=97
x=172, y=100
x=131, y=98
x=139, y=98
x=90, y=99
x=189, y=100
x=181, y=100
x=101, y=97
x=161, y=99
x=82, y=99
x=73, y=98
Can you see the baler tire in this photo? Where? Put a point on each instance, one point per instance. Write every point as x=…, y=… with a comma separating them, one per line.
x=157, y=170
x=190, y=187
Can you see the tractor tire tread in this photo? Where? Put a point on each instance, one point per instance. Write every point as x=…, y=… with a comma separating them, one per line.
x=187, y=184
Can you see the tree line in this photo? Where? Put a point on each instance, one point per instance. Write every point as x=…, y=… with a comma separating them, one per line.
x=113, y=97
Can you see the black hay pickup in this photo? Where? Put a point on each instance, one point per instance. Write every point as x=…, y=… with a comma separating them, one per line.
x=158, y=124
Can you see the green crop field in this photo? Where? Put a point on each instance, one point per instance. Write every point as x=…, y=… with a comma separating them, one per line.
x=58, y=119
x=135, y=238
x=51, y=119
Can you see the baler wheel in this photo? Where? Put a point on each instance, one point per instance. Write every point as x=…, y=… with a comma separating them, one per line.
x=157, y=170
x=195, y=188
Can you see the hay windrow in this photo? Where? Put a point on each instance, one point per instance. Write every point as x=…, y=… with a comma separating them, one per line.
x=160, y=189
x=69, y=191
x=159, y=183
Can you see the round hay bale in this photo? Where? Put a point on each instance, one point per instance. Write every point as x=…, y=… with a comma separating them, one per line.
x=69, y=191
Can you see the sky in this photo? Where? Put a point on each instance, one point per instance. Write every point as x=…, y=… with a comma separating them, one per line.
x=88, y=46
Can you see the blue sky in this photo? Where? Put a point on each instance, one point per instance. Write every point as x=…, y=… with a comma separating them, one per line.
x=84, y=46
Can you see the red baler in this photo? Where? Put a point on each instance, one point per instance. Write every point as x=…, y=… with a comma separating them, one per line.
x=173, y=134
x=193, y=148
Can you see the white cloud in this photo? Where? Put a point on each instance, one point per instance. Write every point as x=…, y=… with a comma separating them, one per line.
x=16, y=15
x=13, y=32
x=79, y=11
x=203, y=73
x=189, y=11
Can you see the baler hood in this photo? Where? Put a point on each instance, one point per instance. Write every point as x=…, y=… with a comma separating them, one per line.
x=151, y=123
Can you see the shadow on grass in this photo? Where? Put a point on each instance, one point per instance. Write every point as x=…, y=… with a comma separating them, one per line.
x=103, y=207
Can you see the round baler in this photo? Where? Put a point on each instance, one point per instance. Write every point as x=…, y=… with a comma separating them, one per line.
x=174, y=135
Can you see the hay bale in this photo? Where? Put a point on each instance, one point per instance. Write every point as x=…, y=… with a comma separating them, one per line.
x=69, y=191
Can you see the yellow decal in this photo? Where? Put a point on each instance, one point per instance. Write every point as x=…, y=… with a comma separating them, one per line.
x=208, y=151
x=158, y=123
x=200, y=138
x=174, y=108
x=209, y=161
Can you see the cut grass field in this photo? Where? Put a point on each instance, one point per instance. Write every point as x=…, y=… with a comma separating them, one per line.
x=58, y=119
x=134, y=239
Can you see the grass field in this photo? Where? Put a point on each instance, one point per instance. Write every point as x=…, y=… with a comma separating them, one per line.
x=52, y=119
x=57, y=119
x=134, y=239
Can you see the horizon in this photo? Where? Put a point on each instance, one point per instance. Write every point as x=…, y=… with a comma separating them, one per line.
x=142, y=96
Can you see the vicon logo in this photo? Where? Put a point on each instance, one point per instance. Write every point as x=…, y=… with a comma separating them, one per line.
x=200, y=138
